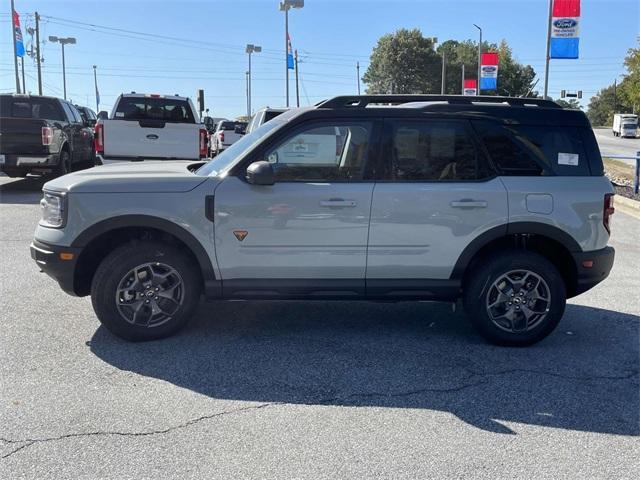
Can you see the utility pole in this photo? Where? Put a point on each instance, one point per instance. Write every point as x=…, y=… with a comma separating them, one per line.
x=615, y=95
x=479, y=59
x=297, y=85
x=358, y=75
x=38, y=54
x=95, y=83
x=444, y=71
x=462, y=81
x=15, y=48
x=548, y=57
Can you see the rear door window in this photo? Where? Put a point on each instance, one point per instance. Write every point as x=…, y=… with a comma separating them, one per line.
x=154, y=108
x=432, y=151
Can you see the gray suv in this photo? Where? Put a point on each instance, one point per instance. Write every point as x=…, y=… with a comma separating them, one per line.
x=500, y=202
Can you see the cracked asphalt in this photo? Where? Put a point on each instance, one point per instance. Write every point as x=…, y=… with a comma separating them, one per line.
x=312, y=389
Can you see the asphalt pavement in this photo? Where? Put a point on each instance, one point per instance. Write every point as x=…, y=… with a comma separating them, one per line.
x=312, y=389
x=612, y=146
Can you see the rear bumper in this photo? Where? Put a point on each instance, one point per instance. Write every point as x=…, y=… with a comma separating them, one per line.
x=47, y=257
x=104, y=160
x=589, y=277
x=17, y=163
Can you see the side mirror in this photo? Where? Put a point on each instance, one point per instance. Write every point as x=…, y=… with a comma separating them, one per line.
x=260, y=173
x=103, y=115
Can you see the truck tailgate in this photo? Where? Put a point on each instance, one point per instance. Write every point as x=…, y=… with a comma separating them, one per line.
x=151, y=139
x=22, y=136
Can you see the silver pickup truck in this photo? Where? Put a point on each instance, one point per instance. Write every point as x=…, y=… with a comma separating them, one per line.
x=150, y=127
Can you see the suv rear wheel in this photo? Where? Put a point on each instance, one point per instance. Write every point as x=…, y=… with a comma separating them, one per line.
x=515, y=298
x=145, y=291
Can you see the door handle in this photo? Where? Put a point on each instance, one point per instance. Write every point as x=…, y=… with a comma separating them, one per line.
x=338, y=202
x=468, y=203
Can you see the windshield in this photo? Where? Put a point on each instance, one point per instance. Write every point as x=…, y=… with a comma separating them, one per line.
x=238, y=149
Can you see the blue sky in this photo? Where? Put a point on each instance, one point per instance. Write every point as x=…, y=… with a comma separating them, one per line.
x=330, y=35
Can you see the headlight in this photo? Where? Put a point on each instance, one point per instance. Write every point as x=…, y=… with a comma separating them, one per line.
x=53, y=210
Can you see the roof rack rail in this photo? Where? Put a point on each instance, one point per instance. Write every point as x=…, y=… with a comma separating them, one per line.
x=362, y=101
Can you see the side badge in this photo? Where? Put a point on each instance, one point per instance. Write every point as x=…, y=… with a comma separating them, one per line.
x=240, y=234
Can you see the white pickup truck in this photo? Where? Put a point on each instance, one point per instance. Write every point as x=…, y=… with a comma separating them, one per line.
x=224, y=136
x=150, y=127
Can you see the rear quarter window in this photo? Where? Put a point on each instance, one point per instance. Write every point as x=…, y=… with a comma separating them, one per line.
x=533, y=150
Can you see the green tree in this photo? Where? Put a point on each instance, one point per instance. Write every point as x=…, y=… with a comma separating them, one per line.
x=406, y=62
x=514, y=78
x=604, y=104
x=403, y=62
x=630, y=87
x=571, y=103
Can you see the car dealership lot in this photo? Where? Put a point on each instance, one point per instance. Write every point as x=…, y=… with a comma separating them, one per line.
x=312, y=390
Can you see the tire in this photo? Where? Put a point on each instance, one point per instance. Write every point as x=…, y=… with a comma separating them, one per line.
x=116, y=294
x=500, y=318
x=64, y=164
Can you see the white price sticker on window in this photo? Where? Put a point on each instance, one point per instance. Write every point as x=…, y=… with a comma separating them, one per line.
x=568, y=159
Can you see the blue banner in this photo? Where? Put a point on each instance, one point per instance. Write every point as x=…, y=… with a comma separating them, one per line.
x=488, y=83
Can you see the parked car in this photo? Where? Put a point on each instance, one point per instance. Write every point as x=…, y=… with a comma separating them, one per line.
x=224, y=136
x=151, y=127
x=41, y=135
x=262, y=116
x=501, y=202
x=89, y=117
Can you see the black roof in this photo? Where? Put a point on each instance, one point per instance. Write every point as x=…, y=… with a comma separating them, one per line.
x=532, y=111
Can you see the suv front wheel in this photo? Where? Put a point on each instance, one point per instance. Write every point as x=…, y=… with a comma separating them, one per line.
x=145, y=291
x=515, y=298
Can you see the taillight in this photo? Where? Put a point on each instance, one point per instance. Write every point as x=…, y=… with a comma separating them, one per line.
x=98, y=135
x=203, y=143
x=607, y=211
x=47, y=135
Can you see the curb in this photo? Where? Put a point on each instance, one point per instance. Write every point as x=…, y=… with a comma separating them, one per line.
x=627, y=205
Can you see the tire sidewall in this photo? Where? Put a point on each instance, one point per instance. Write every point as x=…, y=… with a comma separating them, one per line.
x=489, y=271
x=122, y=260
x=64, y=165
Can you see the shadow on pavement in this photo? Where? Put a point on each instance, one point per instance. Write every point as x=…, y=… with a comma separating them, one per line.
x=407, y=355
x=22, y=191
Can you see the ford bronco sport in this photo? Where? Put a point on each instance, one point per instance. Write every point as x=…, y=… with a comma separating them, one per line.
x=501, y=202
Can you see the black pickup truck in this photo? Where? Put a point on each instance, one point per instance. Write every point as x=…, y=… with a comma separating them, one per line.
x=42, y=135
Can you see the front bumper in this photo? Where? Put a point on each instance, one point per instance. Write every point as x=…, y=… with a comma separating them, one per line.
x=49, y=260
x=589, y=277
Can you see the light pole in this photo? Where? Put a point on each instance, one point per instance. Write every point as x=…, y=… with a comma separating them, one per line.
x=285, y=6
x=479, y=59
x=95, y=83
x=63, y=42
x=250, y=49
